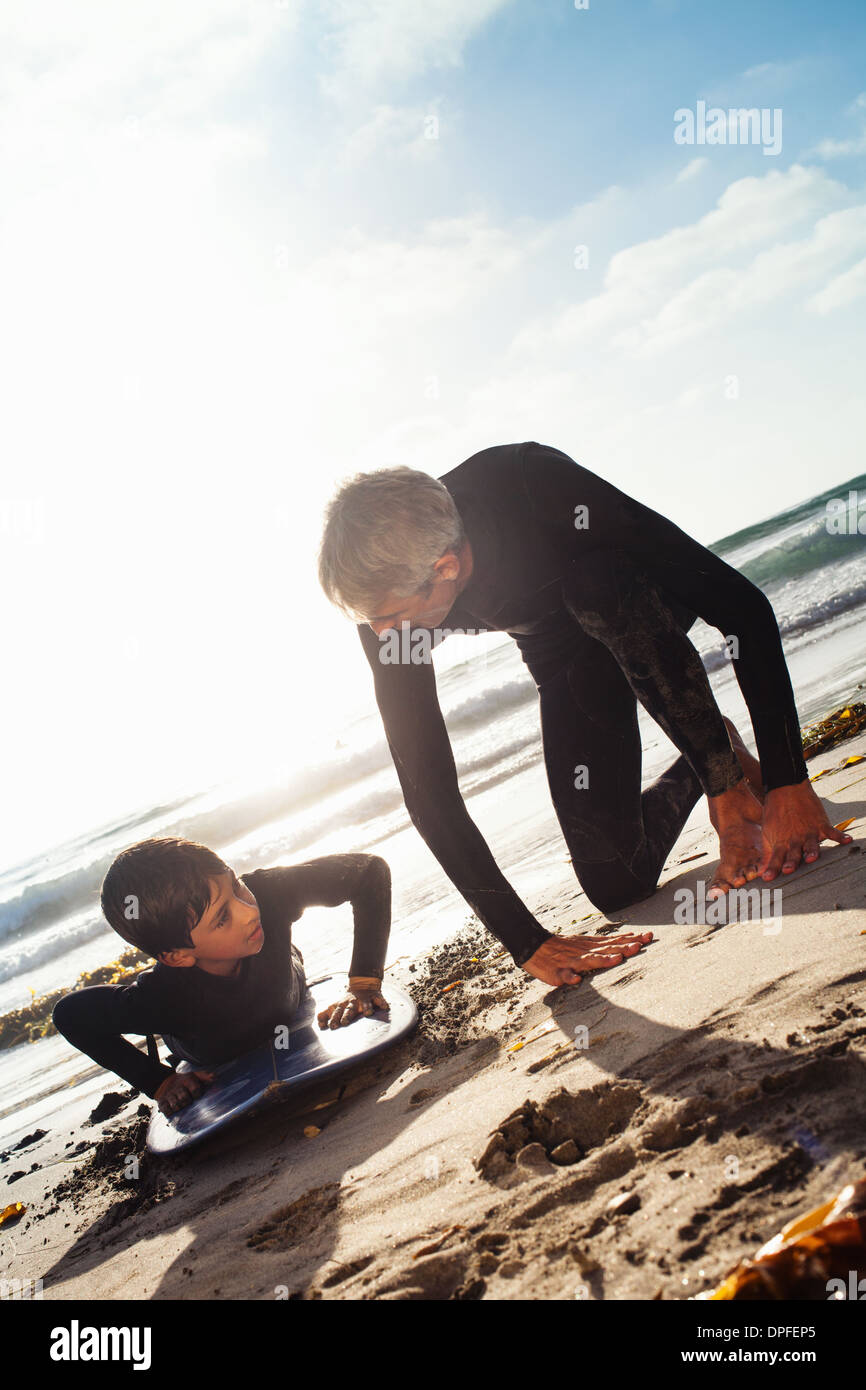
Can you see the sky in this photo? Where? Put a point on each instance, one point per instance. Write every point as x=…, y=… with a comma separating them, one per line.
x=250, y=247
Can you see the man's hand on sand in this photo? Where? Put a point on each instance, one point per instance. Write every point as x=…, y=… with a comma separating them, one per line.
x=562, y=959
x=179, y=1090
x=363, y=996
x=795, y=823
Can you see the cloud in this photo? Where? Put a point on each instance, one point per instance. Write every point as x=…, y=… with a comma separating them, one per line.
x=851, y=145
x=718, y=295
x=410, y=130
x=97, y=98
x=841, y=291
x=644, y=277
x=364, y=281
x=838, y=149
x=780, y=74
x=692, y=169
x=97, y=52
x=370, y=43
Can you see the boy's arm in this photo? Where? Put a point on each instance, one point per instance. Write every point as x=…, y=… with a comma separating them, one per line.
x=364, y=880
x=94, y=1020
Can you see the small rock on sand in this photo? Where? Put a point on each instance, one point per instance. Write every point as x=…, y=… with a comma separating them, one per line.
x=533, y=1156
x=623, y=1204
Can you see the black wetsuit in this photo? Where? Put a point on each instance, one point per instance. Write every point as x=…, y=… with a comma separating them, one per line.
x=208, y=1019
x=599, y=602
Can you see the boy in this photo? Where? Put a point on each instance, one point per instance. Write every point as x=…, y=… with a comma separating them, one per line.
x=227, y=971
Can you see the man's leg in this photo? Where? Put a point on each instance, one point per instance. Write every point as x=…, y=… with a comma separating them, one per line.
x=726, y=599
x=618, y=836
x=614, y=599
x=621, y=603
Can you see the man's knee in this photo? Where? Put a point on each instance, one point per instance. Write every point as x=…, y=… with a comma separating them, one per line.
x=610, y=887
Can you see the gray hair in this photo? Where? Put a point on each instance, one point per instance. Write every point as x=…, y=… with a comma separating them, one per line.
x=383, y=533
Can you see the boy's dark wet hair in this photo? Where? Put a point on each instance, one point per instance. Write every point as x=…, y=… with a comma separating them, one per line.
x=156, y=892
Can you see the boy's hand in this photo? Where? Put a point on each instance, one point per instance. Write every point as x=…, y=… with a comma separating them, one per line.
x=178, y=1090
x=364, y=995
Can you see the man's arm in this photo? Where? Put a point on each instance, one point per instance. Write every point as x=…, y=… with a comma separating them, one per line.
x=419, y=744
x=94, y=1020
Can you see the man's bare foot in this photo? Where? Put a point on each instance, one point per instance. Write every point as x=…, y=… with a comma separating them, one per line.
x=736, y=817
x=748, y=762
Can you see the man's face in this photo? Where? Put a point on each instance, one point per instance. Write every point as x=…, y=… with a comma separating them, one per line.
x=427, y=608
x=229, y=928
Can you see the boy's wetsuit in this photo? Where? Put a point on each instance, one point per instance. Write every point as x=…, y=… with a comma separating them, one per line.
x=208, y=1019
x=599, y=602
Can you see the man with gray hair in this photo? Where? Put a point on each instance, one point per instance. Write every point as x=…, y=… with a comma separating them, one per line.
x=598, y=592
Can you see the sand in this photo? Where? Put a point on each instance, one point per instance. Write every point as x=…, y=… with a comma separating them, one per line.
x=628, y=1138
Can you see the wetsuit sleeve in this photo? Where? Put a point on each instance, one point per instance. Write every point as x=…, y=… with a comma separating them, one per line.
x=364, y=880
x=419, y=744
x=95, y=1019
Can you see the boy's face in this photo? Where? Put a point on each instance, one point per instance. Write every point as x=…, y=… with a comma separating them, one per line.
x=229, y=928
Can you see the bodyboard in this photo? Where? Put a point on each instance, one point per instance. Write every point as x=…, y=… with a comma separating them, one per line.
x=313, y=1054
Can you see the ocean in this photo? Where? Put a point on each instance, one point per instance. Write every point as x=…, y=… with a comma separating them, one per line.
x=810, y=560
